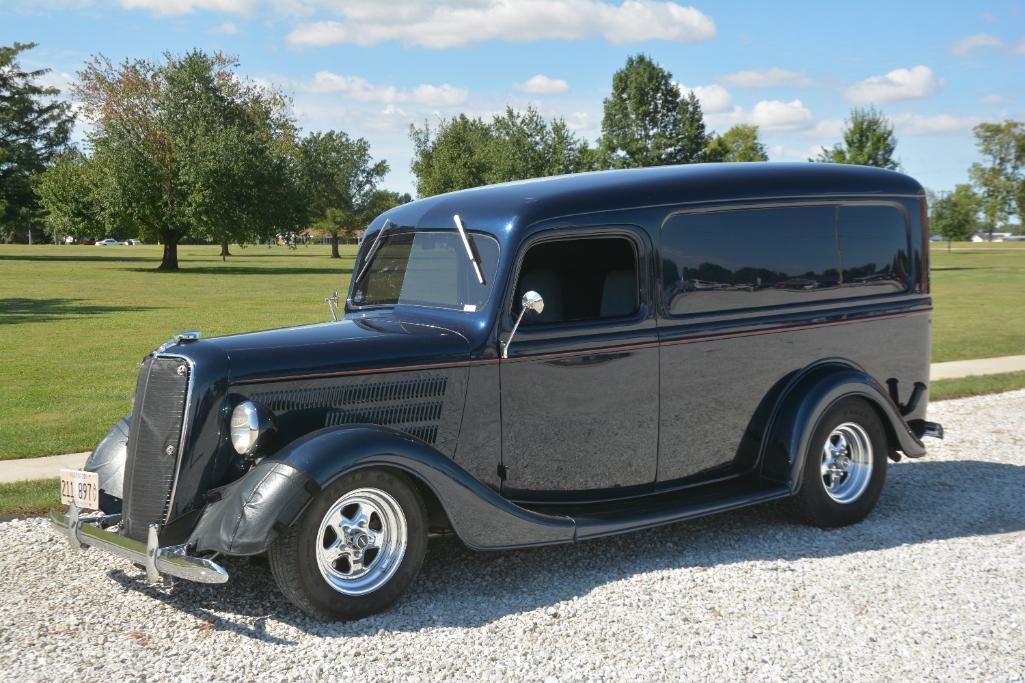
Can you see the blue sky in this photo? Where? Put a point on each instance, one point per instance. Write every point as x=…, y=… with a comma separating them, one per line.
x=372, y=68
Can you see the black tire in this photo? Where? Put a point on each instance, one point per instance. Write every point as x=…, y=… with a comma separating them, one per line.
x=814, y=502
x=293, y=557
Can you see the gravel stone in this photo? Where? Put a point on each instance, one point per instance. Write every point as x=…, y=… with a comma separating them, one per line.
x=928, y=587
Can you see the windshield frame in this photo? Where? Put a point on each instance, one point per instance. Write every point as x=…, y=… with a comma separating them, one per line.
x=393, y=231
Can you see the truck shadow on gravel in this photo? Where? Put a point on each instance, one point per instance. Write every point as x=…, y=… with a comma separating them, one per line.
x=923, y=501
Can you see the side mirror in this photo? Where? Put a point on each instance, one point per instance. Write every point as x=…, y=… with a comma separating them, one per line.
x=531, y=301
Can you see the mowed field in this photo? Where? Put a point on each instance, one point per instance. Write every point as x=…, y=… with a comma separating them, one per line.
x=76, y=320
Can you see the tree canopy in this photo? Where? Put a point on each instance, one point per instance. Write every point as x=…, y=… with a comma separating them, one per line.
x=464, y=152
x=34, y=127
x=956, y=214
x=339, y=179
x=868, y=139
x=186, y=147
x=739, y=143
x=1001, y=178
x=646, y=121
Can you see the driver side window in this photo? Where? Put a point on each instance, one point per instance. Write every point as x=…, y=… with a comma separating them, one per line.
x=580, y=279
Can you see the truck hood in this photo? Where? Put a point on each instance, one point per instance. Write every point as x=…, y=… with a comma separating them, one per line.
x=346, y=346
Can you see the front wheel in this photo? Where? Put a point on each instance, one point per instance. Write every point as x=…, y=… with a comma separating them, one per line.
x=357, y=547
x=845, y=467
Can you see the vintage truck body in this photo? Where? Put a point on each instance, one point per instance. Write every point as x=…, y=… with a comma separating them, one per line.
x=698, y=327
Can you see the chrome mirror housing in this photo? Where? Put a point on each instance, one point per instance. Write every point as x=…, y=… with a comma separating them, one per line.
x=531, y=301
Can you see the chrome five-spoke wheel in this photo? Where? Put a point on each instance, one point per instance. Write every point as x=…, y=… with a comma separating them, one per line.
x=361, y=541
x=846, y=463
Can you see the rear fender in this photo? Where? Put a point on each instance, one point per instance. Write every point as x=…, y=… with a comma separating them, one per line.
x=802, y=405
x=252, y=511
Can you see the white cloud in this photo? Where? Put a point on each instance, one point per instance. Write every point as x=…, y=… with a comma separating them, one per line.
x=361, y=89
x=969, y=45
x=176, y=7
x=539, y=83
x=757, y=78
x=1019, y=48
x=714, y=99
x=226, y=28
x=784, y=153
x=458, y=25
x=579, y=120
x=778, y=115
x=899, y=84
x=827, y=129
x=995, y=100
x=936, y=124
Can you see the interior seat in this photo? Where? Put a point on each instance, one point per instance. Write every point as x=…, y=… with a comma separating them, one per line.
x=619, y=294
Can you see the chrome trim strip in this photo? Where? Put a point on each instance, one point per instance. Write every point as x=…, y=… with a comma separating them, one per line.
x=185, y=429
x=171, y=560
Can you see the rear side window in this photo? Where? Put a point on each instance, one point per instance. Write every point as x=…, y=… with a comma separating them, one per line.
x=873, y=249
x=749, y=257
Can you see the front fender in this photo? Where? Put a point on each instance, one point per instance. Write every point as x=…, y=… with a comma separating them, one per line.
x=803, y=405
x=252, y=511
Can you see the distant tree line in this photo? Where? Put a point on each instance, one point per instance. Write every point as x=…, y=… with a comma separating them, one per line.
x=185, y=148
x=180, y=148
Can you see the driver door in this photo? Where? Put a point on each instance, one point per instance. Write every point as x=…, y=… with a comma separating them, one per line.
x=579, y=388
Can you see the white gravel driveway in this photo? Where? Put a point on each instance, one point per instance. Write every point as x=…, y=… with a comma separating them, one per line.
x=930, y=586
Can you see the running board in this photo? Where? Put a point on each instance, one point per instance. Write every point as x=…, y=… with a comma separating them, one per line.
x=596, y=520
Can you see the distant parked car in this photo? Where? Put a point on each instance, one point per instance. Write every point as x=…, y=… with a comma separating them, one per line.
x=109, y=242
x=133, y=243
x=87, y=240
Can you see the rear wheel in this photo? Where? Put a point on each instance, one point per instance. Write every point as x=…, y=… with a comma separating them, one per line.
x=845, y=467
x=356, y=548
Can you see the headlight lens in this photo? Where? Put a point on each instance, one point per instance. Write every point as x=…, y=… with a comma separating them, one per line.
x=246, y=428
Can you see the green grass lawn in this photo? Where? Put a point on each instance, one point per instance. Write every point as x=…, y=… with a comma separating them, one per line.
x=979, y=300
x=76, y=320
x=29, y=498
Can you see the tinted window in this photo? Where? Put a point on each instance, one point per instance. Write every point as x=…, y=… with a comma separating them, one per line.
x=749, y=257
x=580, y=279
x=873, y=249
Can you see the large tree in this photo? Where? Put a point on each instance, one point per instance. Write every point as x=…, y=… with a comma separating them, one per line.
x=339, y=180
x=185, y=147
x=67, y=193
x=1001, y=179
x=646, y=121
x=868, y=139
x=34, y=126
x=465, y=152
x=956, y=215
x=739, y=143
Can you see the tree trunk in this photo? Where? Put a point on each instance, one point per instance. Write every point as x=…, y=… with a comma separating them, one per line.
x=224, y=250
x=170, y=260
x=334, y=247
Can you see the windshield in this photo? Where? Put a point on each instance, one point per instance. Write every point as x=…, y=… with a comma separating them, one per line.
x=427, y=268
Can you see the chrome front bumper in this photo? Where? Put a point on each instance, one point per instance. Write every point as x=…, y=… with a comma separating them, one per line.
x=84, y=531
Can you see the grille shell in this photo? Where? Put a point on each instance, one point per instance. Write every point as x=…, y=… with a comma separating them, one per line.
x=155, y=441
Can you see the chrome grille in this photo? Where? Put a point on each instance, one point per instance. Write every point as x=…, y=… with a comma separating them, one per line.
x=154, y=441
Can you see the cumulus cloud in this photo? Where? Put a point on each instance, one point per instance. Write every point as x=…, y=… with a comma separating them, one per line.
x=541, y=84
x=969, y=45
x=935, y=124
x=779, y=115
x=714, y=99
x=900, y=84
x=995, y=100
x=226, y=28
x=361, y=89
x=457, y=24
x=758, y=78
x=177, y=7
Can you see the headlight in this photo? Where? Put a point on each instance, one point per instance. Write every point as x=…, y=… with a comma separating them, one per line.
x=248, y=426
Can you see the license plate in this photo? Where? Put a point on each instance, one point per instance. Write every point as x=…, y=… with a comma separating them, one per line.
x=81, y=488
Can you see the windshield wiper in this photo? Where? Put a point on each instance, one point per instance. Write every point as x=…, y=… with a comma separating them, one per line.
x=469, y=249
x=372, y=251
